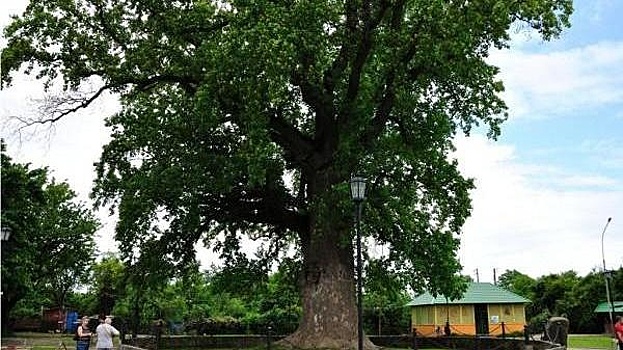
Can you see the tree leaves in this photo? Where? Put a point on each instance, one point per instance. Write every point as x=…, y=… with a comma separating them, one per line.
x=225, y=102
x=52, y=236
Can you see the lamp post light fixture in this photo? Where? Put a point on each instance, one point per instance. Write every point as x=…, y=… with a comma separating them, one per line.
x=358, y=194
x=607, y=276
x=6, y=233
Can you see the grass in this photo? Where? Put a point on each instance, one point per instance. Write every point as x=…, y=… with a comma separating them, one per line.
x=38, y=339
x=590, y=342
x=44, y=341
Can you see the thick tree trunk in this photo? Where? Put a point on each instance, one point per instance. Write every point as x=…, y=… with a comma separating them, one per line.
x=329, y=298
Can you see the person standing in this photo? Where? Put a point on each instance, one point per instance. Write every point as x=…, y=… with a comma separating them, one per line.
x=105, y=332
x=84, y=335
x=618, y=331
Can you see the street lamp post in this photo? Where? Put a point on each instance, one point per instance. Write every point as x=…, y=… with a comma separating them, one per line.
x=358, y=194
x=607, y=275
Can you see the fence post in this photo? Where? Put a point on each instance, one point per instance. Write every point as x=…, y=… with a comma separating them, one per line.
x=157, y=326
x=268, y=338
x=414, y=339
x=503, y=331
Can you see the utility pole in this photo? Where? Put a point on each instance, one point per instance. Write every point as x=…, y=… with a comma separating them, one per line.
x=607, y=275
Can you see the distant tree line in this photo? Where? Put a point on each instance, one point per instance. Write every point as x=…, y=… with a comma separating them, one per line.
x=245, y=299
x=565, y=294
x=238, y=299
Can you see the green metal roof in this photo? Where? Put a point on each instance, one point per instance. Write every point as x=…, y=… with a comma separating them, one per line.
x=476, y=293
x=605, y=307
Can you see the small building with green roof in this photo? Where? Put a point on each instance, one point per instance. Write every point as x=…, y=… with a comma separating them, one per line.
x=484, y=309
x=603, y=309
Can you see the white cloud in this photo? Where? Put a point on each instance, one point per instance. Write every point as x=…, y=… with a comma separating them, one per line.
x=588, y=181
x=543, y=84
x=69, y=147
x=519, y=224
x=597, y=9
x=605, y=152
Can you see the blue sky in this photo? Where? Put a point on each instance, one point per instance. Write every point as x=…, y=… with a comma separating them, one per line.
x=547, y=187
x=579, y=129
x=544, y=190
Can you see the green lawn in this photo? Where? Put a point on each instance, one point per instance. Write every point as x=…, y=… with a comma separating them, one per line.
x=590, y=342
x=40, y=341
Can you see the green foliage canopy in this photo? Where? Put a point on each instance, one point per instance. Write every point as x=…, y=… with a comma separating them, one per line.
x=564, y=294
x=248, y=117
x=51, y=245
x=107, y=283
x=518, y=283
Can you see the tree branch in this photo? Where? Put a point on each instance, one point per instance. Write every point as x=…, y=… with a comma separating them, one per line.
x=58, y=107
x=55, y=108
x=187, y=82
x=298, y=147
x=312, y=95
x=257, y=206
x=105, y=28
x=386, y=91
x=370, y=23
x=341, y=61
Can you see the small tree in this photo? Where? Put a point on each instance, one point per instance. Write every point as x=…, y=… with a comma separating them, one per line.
x=51, y=246
x=108, y=276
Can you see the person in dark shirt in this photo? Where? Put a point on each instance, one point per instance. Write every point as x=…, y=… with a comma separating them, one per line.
x=84, y=335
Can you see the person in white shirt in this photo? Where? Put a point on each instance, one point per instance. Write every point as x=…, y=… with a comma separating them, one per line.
x=105, y=332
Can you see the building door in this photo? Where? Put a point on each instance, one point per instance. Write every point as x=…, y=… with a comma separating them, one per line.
x=481, y=316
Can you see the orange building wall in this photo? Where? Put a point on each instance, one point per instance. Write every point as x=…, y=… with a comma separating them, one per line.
x=513, y=316
x=429, y=320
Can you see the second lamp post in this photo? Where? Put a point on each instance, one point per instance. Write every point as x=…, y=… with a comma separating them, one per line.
x=358, y=194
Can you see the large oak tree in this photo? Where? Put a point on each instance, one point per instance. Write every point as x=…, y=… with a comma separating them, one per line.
x=247, y=117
